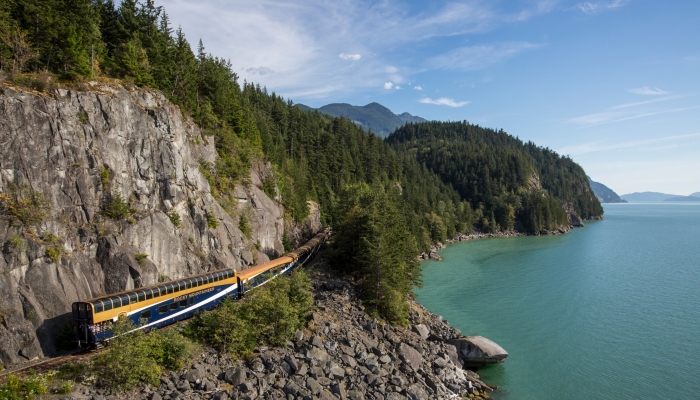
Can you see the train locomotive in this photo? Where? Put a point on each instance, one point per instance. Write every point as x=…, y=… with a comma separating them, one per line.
x=159, y=305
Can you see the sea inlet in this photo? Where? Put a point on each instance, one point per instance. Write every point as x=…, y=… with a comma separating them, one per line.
x=608, y=311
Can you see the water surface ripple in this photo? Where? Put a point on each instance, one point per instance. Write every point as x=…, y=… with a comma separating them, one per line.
x=611, y=310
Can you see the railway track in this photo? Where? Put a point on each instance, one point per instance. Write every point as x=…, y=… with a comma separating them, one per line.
x=48, y=364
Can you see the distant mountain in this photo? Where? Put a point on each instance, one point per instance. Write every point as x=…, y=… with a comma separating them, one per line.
x=696, y=194
x=683, y=198
x=604, y=193
x=373, y=116
x=647, y=196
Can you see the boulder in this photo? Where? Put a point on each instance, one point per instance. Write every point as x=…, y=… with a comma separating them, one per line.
x=476, y=351
x=410, y=356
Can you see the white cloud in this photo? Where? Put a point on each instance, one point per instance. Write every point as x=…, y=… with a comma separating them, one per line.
x=262, y=71
x=298, y=35
x=598, y=146
x=649, y=92
x=590, y=7
x=353, y=57
x=418, y=87
x=397, y=87
x=443, y=101
x=478, y=57
x=388, y=85
x=610, y=117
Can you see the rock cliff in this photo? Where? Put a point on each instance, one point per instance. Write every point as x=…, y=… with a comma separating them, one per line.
x=66, y=157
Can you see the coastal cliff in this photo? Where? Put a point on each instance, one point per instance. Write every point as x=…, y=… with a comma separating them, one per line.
x=102, y=192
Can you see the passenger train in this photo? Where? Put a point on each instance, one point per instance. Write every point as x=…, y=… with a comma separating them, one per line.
x=166, y=303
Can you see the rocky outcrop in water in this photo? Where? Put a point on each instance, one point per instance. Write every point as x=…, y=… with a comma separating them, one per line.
x=81, y=150
x=477, y=351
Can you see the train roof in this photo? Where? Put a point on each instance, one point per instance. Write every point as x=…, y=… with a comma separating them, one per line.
x=254, y=270
x=109, y=296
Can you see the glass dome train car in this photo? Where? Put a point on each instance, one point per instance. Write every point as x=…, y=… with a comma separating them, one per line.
x=165, y=303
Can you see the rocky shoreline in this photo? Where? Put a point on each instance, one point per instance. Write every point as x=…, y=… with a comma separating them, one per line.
x=343, y=353
x=574, y=222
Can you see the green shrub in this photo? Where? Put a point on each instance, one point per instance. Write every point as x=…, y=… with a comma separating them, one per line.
x=104, y=177
x=212, y=221
x=117, y=207
x=18, y=243
x=268, y=316
x=141, y=258
x=286, y=243
x=268, y=186
x=16, y=388
x=23, y=206
x=83, y=117
x=244, y=226
x=55, y=249
x=139, y=356
x=65, y=387
x=175, y=219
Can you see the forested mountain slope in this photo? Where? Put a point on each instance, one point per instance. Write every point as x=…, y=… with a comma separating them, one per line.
x=505, y=180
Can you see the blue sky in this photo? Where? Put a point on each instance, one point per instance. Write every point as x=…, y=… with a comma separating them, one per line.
x=615, y=84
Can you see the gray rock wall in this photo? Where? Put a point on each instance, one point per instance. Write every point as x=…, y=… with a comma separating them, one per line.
x=60, y=145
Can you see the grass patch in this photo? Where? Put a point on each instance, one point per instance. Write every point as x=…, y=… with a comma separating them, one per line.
x=82, y=117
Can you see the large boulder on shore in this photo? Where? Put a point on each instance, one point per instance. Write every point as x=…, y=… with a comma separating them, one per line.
x=476, y=351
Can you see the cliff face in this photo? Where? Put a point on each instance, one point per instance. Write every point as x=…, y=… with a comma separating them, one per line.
x=80, y=150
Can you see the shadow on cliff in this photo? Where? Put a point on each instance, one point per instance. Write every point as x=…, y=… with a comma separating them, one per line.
x=56, y=335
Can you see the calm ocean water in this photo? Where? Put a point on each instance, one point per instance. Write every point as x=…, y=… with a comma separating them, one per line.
x=609, y=311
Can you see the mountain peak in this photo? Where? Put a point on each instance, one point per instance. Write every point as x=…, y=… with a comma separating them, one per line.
x=373, y=117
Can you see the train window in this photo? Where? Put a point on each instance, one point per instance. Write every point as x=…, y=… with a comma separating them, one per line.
x=132, y=298
x=216, y=277
x=163, y=309
x=200, y=281
x=116, y=302
x=149, y=294
x=176, y=287
x=125, y=300
x=98, y=307
x=183, y=303
x=168, y=289
x=183, y=285
x=146, y=314
x=174, y=306
x=205, y=280
x=188, y=284
x=192, y=300
x=141, y=295
x=107, y=304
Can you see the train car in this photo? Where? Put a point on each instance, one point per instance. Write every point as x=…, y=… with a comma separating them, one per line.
x=153, y=306
x=165, y=303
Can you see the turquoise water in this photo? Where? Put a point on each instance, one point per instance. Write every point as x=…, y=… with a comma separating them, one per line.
x=609, y=311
